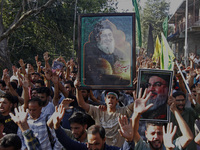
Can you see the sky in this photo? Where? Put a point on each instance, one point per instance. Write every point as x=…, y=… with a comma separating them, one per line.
x=127, y=4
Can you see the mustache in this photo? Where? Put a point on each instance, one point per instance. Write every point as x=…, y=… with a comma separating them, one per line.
x=154, y=93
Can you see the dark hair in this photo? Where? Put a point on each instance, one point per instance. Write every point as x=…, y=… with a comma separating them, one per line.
x=40, y=82
x=8, y=96
x=14, y=85
x=70, y=82
x=11, y=140
x=36, y=99
x=3, y=83
x=102, y=25
x=94, y=129
x=44, y=90
x=153, y=123
x=34, y=89
x=78, y=117
x=115, y=91
x=178, y=93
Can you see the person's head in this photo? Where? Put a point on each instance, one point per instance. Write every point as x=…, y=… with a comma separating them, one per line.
x=35, y=76
x=10, y=142
x=154, y=135
x=158, y=85
x=39, y=83
x=2, y=85
x=73, y=75
x=85, y=94
x=69, y=85
x=34, y=92
x=111, y=98
x=6, y=104
x=43, y=94
x=96, y=137
x=35, y=107
x=78, y=124
x=104, y=36
x=180, y=100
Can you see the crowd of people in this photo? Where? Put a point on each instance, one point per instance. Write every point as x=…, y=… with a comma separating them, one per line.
x=43, y=108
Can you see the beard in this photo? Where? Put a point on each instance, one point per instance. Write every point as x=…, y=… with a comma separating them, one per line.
x=155, y=148
x=107, y=48
x=157, y=102
x=77, y=138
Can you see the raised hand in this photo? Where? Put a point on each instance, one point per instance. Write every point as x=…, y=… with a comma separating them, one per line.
x=46, y=56
x=126, y=129
x=169, y=135
x=192, y=56
x=36, y=58
x=140, y=103
x=48, y=74
x=54, y=78
x=20, y=118
x=77, y=83
x=66, y=102
x=54, y=121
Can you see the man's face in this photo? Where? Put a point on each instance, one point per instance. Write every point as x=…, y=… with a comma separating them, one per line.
x=68, y=87
x=106, y=41
x=34, y=93
x=159, y=90
x=111, y=101
x=5, y=106
x=35, y=77
x=95, y=142
x=180, y=102
x=84, y=94
x=34, y=110
x=157, y=86
x=38, y=85
x=78, y=130
x=154, y=135
x=43, y=98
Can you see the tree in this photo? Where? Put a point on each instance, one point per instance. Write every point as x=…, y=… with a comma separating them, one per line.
x=154, y=12
x=27, y=30
x=12, y=16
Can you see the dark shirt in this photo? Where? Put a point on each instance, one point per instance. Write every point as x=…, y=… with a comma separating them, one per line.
x=74, y=145
x=10, y=126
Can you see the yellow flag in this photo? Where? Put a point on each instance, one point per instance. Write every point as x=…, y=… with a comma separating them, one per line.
x=157, y=50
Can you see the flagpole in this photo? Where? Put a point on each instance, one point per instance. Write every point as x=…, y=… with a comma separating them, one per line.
x=186, y=35
x=186, y=85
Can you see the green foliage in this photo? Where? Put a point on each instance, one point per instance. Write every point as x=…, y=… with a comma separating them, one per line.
x=154, y=12
x=51, y=30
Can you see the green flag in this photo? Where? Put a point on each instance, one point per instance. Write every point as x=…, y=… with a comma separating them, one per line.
x=165, y=26
x=138, y=22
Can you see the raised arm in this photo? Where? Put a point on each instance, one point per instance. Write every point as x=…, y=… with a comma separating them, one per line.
x=168, y=136
x=187, y=135
x=55, y=81
x=79, y=97
x=139, y=108
x=20, y=118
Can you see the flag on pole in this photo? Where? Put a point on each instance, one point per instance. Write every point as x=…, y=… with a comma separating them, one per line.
x=150, y=45
x=165, y=26
x=138, y=23
x=167, y=56
x=157, y=50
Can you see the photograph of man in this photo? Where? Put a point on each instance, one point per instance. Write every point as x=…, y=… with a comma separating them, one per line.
x=105, y=64
x=158, y=85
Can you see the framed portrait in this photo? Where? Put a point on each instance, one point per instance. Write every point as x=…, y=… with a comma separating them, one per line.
x=159, y=82
x=107, y=51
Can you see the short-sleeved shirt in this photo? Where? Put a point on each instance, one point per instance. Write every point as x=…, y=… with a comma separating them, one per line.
x=110, y=123
x=142, y=145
